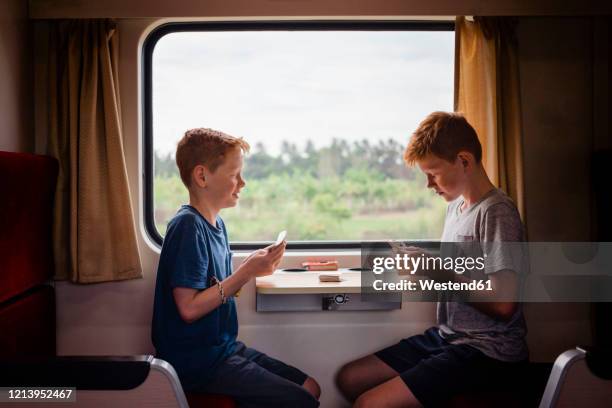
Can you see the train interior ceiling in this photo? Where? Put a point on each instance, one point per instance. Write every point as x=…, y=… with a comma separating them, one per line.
x=563, y=59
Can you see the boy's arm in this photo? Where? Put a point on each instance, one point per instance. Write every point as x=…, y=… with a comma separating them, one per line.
x=500, y=301
x=193, y=304
x=502, y=231
x=503, y=234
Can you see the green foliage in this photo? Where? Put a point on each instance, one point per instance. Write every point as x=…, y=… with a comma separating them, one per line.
x=335, y=160
x=340, y=192
x=327, y=203
x=164, y=165
x=310, y=209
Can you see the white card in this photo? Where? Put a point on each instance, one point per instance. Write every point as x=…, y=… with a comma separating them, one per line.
x=281, y=237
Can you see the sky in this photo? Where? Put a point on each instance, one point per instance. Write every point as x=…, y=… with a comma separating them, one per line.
x=269, y=86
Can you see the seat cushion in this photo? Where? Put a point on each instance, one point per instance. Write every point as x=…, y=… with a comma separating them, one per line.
x=27, y=325
x=199, y=400
x=519, y=387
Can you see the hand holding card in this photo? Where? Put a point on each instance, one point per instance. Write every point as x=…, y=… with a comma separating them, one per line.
x=280, y=238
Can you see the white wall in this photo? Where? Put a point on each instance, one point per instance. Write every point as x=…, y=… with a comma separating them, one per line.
x=15, y=78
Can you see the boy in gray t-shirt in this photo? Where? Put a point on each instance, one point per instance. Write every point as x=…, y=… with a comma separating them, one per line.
x=479, y=335
x=492, y=220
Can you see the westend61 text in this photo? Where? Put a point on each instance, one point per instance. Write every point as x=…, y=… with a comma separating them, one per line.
x=430, y=284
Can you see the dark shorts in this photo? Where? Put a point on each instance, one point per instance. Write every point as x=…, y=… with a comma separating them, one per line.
x=254, y=379
x=435, y=370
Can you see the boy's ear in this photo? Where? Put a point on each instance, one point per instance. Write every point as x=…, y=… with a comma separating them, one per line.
x=199, y=176
x=465, y=158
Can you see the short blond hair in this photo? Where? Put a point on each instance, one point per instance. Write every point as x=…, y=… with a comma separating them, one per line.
x=443, y=134
x=203, y=146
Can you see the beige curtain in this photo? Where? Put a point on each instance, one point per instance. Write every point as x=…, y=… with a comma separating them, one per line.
x=487, y=91
x=94, y=233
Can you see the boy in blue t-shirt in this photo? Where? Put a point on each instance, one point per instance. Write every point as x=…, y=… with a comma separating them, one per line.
x=194, y=318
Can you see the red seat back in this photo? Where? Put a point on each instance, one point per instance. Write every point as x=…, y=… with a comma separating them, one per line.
x=27, y=186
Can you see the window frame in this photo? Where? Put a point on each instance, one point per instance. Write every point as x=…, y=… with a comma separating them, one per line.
x=300, y=25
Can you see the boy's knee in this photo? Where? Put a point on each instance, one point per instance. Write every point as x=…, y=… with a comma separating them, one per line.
x=306, y=398
x=345, y=381
x=293, y=396
x=366, y=400
x=313, y=387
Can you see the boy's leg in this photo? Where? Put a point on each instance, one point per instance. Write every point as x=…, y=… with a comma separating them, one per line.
x=393, y=393
x=282, y=369
x=255, y=386
x=360, y=375
x=435, y=379
x=312, y=386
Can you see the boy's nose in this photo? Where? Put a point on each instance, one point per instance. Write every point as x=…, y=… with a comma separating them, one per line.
x=430, y=183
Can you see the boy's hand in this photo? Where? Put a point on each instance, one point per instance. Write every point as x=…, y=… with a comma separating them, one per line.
x=400, y=248
x=416, y=252
x=431, y=272
x=264, y=261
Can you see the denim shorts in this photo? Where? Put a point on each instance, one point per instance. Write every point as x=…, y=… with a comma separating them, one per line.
x=254, y=379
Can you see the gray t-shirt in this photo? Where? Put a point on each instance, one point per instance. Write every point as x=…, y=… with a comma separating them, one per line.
x=493, y=219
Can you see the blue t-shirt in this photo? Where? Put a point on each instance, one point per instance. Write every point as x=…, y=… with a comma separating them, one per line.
x=193, y=252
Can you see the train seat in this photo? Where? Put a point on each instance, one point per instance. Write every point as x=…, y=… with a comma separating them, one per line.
x=580, y=377
x=520, y=387
x=130, y=381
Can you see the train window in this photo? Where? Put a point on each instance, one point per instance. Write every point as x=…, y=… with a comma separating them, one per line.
x=327, y=109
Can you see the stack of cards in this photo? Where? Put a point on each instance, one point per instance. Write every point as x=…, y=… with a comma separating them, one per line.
x=329, y=277
x=320, y=265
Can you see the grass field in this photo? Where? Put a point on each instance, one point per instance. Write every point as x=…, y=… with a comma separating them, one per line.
x=309, y=209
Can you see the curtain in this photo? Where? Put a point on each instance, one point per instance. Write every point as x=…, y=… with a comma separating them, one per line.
x=94, y=232
x=487, y=92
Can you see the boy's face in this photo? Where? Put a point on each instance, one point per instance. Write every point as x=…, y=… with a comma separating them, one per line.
x=446, y=178
x=224, y=184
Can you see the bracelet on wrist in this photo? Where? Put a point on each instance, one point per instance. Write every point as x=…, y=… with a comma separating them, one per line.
x=217, y=282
